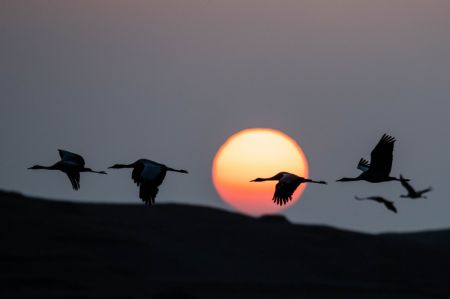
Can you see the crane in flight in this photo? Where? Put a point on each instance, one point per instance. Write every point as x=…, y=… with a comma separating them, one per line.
x=412, y=193
x=379, y=168
x=148, y=175
x=286, y=186
x=387, y=203
x=71, y=164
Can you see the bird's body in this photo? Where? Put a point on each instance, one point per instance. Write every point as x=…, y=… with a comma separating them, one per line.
x=286, y=186
x=71, y=164
x=412, y=193
x=148, y=175
x=387, y=203
x=379, y=168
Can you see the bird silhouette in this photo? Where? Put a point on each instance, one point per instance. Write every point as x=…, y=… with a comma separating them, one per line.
x=148, y=175
x=71, y=164
x=413, y=194
x=380, y=166
x=387, y=203
x=286, y=186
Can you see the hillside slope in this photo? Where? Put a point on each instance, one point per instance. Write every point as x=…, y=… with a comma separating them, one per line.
x=65, y=250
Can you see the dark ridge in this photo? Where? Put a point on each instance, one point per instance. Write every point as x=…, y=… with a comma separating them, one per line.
x=274, y=219
x=57, y=249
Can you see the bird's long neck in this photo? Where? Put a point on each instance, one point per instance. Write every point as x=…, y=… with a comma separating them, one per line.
x=176, y=170
x=52, y=167
x=274, y=178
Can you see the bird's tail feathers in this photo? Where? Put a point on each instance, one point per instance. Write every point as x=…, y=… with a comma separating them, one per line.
x=147, y=192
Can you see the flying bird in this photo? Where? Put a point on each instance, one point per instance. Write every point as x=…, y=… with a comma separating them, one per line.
x=71, y=164
x=387, y=203
x=413, y=194
x=286, y=186
x=148, y=175
x=379, y=168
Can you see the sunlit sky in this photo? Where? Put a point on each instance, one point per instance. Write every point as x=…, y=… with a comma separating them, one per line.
x=172, y=80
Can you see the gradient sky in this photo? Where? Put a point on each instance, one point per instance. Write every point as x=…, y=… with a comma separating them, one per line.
x=171, y=80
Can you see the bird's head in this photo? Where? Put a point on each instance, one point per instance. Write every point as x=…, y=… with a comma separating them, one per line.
x=258, y=180
x=183, y=171
x=36, y=167
x=94, y=171
x=276, y=177
x=117, y=166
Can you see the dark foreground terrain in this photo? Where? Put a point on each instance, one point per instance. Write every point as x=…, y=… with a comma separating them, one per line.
x=64, y=250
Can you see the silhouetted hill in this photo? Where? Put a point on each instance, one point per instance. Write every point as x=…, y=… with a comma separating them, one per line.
x=55, y=249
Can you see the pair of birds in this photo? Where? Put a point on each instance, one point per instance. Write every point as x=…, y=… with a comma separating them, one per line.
x=412, y=194
x=147, y=174
x=377, y=171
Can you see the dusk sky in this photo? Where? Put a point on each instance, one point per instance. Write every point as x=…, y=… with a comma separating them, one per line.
x=170, y=80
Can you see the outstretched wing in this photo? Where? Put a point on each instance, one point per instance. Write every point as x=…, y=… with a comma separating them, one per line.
x=390, y=206
x=381, y=157
x=363, y=165
x=407, y=186
x=71, y=157
x=74, y=178
x=136, y=173
x=284, y=189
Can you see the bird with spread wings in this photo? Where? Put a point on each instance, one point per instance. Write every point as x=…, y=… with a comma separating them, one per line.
x=72, y=165
x=148, y=175
x=379, y=168
x=286, y=186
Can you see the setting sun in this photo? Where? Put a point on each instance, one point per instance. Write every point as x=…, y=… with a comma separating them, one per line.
x=255, y=153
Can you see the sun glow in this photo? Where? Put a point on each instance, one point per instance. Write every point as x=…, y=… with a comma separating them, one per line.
x=255, y=153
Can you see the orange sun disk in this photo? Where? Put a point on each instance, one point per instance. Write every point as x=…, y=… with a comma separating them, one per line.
x=253, y=153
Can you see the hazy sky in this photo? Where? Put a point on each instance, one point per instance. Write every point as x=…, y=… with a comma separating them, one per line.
x=171, y=80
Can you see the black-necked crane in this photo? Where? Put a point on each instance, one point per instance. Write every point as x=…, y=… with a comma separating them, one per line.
x=286, y=186
x=412, y=193
x=148, y=175
x=71, y=164
x=387, y=203
x=380, y=165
